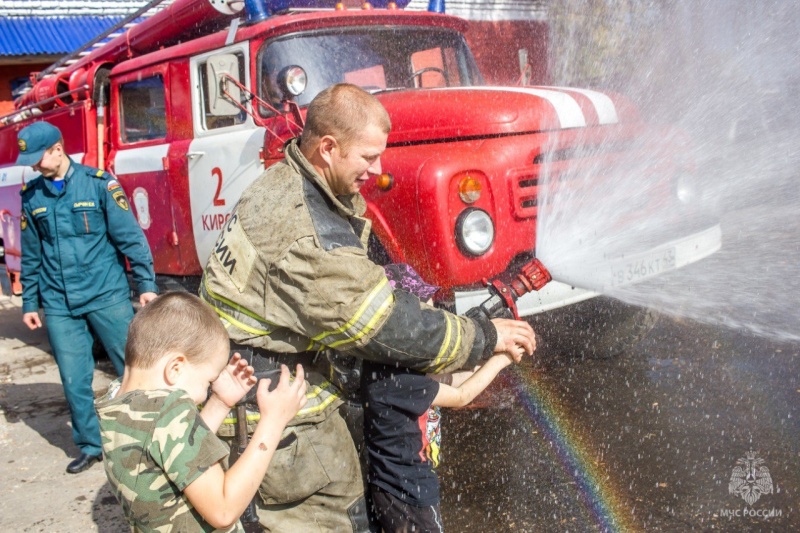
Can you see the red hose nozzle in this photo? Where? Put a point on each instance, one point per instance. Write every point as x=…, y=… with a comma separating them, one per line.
x=532, y=277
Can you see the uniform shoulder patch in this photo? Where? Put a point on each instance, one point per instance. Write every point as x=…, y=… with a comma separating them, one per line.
x=23, y=222
x=112, y=185
x=29, y=186
x=99, y=174
x=121, y=199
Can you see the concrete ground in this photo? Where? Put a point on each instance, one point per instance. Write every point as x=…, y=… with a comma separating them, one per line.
x=36, y=493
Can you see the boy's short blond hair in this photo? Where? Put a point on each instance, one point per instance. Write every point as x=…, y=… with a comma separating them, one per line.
x=176, y=322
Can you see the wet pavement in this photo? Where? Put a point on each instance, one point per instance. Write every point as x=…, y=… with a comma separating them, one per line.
x=647, y=441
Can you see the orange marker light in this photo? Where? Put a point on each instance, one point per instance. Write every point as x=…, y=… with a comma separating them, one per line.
x=366, y=5
x=391, y=5
x=384, y=181
x=339, y=6
x=469, y=189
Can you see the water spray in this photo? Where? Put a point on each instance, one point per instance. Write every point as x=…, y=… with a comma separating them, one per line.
x=503, y=300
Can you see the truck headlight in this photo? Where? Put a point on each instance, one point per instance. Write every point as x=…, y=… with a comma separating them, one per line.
x=474, y=231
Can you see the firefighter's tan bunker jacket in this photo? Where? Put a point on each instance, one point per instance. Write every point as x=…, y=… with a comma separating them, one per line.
x=290, y=274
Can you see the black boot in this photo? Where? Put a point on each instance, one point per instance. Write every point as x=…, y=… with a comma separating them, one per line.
x=83, y=462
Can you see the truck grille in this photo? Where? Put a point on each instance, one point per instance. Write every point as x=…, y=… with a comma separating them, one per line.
x=566, y=167
x=525, y=192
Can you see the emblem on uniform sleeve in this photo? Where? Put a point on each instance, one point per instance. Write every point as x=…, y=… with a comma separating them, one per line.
x=22, y=145
x=23, y=222
x=119, y=197
x=113, y=185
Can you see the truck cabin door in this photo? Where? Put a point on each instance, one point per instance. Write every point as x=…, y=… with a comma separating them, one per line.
x=139, y=157
x=224, y=153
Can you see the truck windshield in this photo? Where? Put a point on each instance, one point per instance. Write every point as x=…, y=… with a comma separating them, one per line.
x=378, y=59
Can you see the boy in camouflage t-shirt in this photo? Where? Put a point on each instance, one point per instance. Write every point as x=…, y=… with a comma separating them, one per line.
x=160, y=453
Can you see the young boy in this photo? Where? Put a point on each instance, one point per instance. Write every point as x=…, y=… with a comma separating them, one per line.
x=160, y=453
x=401, y=426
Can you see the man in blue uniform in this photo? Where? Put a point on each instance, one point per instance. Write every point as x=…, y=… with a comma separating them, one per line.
x=77, y=230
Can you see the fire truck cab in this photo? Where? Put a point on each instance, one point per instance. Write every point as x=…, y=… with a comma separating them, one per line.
x=190, y=106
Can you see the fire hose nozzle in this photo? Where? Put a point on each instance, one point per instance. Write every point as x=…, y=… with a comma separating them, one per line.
x=531, y=277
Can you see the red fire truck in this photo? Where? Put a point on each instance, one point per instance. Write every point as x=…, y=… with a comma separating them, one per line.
x=190, y=105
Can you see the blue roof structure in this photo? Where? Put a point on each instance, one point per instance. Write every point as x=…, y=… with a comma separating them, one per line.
x=26, y=36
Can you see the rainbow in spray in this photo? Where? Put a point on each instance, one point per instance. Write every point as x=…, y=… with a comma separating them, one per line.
x=603, y=504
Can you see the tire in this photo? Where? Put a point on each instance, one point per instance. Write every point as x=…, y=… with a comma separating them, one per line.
x=600, y=328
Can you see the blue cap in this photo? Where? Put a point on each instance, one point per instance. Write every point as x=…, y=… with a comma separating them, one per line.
x=34, y=140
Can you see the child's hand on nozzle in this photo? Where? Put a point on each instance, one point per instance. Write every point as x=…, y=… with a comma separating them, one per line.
x=234, y=381
x=286, y=399
x=517, y=353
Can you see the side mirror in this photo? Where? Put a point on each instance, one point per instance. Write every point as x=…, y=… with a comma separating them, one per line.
x=218, y=69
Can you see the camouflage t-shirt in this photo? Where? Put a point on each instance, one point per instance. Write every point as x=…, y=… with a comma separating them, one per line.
x=154, y=445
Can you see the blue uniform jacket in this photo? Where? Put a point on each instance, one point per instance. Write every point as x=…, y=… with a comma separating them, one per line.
x=74, y=244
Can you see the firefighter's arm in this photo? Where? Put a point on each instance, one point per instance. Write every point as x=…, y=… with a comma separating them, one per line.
x=127, y=236
x=417, y=327
x=31, y=263
x=427, y=339
x=340, y=299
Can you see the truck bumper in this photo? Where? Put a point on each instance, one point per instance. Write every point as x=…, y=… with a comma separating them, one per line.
x=611, y=274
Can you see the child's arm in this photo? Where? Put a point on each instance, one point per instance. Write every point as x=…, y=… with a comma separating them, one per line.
x=221, y=497
x=454, y=379
x=459, y=396
x=231, y=385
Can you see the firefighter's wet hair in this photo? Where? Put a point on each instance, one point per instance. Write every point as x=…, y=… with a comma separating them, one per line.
x=343, y=111
x=175, y=322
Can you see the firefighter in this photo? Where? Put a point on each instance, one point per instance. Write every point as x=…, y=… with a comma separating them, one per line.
x=77, y=230
x=290, y=277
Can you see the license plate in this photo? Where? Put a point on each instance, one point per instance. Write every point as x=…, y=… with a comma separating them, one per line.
x=625, y=272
